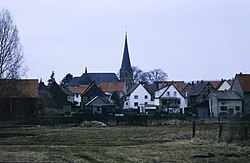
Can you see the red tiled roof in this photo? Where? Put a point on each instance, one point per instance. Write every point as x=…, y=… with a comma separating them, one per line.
x=12, y=88
x=112, y=87
x=244, y=80
x=216, y=84
x=179, y=85
x=78, y=89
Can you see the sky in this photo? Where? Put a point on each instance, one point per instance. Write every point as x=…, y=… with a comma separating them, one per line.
x=188, y=39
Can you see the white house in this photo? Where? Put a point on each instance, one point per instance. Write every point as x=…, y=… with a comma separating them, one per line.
x=137, y=99
x=169, y=99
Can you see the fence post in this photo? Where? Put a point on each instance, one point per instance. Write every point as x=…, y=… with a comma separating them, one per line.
x=220, y=131
x=194, y=129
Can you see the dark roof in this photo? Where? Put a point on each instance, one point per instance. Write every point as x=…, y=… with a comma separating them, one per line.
x=226, y=95
x=75, y=81
x=13, y=88
x=132, y=89
x=88, y=78
x=151, y=88
x=198, y=88
x=126, y=60
x=92, y=86
x=244, y=80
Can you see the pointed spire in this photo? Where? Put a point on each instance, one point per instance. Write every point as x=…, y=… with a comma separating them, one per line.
x=126, y=60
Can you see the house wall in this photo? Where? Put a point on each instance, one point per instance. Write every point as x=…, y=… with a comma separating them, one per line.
x=17, y=108
x=246, y=96
x=141, y=92
x=230, y=104
x=236, y=87
x=214, y=107
x=246, y=103
x=224, y=86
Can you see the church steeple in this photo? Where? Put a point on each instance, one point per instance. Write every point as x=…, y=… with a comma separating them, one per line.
x=126, y=59
x=126, y=74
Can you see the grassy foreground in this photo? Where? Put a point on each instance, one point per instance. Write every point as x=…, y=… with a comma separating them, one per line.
x=170, y=143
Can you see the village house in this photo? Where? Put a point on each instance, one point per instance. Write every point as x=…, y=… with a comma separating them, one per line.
x=18, y=98
x=197, y=98
x=170, y=99
x=241, y=85
x=137, y=99
x=224, y=103
x=95, y=101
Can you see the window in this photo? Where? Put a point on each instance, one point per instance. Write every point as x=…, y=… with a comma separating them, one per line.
x=237, y=108
x=146, y=103
x=126, y=103
x=223, y=108
x=136, y=96
x=175, y=93
x=77, y=95
x=146, y=96
x=168, y=93
x=136, y=104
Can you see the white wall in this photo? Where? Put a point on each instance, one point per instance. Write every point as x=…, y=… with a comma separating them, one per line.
x=77, y=99
x=140, y=92
x=224, y=86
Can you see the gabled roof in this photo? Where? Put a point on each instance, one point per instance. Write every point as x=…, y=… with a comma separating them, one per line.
x=132, y=89
x=135, y=87
x=78, y=89
x=198, y=88
x=244, y=80
x=95, y=98
x=112, y=87
x=151, y=88
x=227, y=95
x=92, y=86
x=13, y=88
x=179, y=85
x=168, y=88
x=216, y=84
x=125, y=59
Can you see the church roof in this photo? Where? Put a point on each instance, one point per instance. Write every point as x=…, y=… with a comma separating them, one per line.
x=97, y=78
x=125, y=59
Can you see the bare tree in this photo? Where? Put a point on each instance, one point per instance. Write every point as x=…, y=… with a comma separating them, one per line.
x=156, y=75
x=11, y=54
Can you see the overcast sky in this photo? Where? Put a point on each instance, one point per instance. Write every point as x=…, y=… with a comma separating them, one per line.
x=188, y=39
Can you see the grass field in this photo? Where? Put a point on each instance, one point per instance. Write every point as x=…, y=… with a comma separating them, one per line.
x=169, y=143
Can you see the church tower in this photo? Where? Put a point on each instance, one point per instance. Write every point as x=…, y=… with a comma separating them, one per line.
x=126, y=74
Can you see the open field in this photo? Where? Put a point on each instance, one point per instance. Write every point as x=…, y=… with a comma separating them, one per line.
x=169, y=143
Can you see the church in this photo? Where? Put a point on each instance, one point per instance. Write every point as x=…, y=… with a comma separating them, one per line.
x=126, y=74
